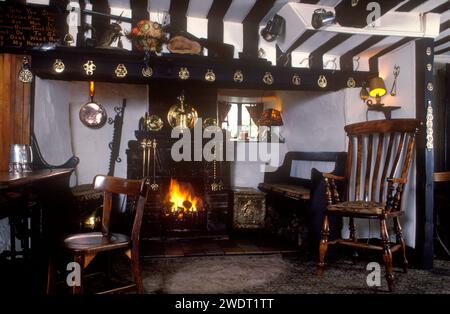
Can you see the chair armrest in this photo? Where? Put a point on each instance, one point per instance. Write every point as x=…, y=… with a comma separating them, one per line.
x=334, y=177
x=331, y=191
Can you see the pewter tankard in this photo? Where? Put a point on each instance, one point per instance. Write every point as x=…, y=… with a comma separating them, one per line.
x=20, y=158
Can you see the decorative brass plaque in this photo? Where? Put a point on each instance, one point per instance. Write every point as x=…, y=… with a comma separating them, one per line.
x=351, y=82
x=322, y=81
x=89, y=67
x=121, y=71
x=268, y=78
x=238, y=76
x=183, y=73
x=147, y=71
x=58, y=66
x=210, y=76
x=296, y=80
x=249, y=210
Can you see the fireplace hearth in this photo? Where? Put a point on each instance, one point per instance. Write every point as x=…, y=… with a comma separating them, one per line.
x=183, y=200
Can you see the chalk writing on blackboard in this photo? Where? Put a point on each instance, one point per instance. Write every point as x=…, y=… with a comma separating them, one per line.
x=23, y=26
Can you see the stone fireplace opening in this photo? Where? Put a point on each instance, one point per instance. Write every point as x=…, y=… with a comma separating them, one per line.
x=184, y=200
x=183, y=207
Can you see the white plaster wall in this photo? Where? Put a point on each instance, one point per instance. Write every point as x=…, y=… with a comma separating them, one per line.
x=59, y=103
x=314, y=121
x=251, y=161
x=356, y=112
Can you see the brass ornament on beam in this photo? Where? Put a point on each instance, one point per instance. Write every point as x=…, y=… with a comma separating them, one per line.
x=428, y=51
x=121, y=71
x=89, y=67
x=183, y=73
x=238, y=76
x=429, y=126
x=429, y=67
x=296, y=80
x=58, y=66
x=430, y=87
x=322, y=81
x=268, y=78
x=210, y=76
x=25, y=75
x=351, y=82
x=147, y=71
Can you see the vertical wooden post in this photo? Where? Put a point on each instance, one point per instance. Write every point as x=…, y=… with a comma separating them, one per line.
x=424, y=154
x=14, y=107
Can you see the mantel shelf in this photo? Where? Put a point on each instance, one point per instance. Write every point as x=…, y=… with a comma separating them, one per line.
x=167, y=67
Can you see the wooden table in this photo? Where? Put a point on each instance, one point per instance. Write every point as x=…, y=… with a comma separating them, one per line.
x=8, y=180
x=50, y=188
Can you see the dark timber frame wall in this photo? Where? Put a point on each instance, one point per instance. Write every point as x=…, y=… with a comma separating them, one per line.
x=424, y=157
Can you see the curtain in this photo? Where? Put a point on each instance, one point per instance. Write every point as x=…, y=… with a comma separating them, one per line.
x=255, y=112
x=224, y=108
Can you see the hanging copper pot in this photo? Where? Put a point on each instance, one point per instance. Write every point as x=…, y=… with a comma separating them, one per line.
x=92, y=114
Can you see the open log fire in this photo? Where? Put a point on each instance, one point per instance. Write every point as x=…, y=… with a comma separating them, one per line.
x=183, y=208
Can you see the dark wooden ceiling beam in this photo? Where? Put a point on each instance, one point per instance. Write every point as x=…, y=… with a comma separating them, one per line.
x=442, y=41
x=409, y=6
x=178, y=14
x=442, y=51
x=100, y=23
x=139, y=9
x=316, y=57
x=356, y=16
x=80, y=40
x=250, y=26
x=444, y=26
x=440, y=9
x=373, y=61
x=346, y=60
x=283, y=59
x=215, y=19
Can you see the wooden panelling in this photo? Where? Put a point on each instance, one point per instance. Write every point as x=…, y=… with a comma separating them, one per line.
x=14, y=107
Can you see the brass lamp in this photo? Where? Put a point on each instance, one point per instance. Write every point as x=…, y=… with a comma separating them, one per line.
x=377, y=89
x=270, y=118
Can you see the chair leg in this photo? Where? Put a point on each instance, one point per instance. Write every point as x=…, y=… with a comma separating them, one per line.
x=323, y=247
x=401, y=240
x=136, y=269
x=50, y=276
x=387, y=254
x=352, y=228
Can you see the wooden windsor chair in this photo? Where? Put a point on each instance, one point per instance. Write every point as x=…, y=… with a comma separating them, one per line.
x=85, y=246
x=378, y=163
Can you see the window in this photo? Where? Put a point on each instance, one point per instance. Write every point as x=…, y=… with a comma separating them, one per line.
x=240, y=120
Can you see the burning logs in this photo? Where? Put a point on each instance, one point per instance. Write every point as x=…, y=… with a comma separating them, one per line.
x=183, y=208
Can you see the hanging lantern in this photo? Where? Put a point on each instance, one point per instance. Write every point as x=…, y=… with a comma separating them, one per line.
x=182, y=115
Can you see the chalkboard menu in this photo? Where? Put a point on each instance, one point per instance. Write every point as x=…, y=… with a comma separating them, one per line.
x=25, y=26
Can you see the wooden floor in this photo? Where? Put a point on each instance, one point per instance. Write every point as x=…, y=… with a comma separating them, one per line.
x=207, y=247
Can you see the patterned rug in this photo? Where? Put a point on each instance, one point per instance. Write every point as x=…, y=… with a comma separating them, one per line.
x=278, y=274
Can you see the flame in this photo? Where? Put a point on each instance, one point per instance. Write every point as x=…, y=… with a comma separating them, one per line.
x=182, y=198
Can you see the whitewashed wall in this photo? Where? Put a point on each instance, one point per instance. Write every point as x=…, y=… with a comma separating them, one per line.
x=314, y=121
x=60, y=102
